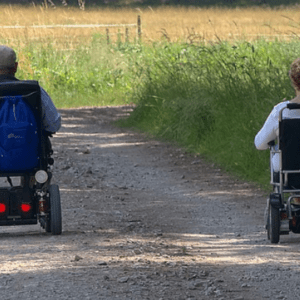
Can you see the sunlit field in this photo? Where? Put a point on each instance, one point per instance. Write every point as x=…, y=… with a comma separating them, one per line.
x=173, y=24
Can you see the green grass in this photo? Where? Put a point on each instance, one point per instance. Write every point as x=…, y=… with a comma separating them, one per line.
x=211, y=99
x=93, y=74
x=214, y=99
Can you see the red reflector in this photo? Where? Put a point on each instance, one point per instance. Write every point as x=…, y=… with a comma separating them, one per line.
x=2, y=208
x=25, y=207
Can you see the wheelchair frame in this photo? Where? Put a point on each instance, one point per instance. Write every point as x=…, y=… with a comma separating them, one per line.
x=25, y=204
x=282, y=216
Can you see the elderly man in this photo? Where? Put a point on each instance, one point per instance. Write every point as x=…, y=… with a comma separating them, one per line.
x=8, y=67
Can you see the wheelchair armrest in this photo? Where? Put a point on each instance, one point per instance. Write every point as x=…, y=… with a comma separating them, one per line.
x=271, y=144
x=48, y=133
x=293, y=106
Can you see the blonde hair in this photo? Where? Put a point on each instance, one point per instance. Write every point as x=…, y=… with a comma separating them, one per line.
x=295, y=73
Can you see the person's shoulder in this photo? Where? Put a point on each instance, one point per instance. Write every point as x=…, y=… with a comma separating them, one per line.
x=44, y=94
x=275, y=112
x=282, y=104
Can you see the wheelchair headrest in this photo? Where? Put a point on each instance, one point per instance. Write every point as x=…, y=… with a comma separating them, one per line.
x=29, y=89
x=18, y=88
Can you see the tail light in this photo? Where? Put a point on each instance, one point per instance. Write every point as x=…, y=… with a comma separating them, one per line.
x=4, y=204
x=21, y=199
x=26, y=207
x=3, y=209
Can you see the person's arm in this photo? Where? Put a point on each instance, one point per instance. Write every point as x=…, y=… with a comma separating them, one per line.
x=268, y=132
x=50, y=116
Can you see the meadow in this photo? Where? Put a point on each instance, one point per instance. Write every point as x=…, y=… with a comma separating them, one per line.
x=204, y=78
x=183, y=24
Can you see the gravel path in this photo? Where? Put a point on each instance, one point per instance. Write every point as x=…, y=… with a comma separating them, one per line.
x=144, y=220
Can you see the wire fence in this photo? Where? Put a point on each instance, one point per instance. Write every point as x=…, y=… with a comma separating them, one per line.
x=137, y=25
x=110, y=32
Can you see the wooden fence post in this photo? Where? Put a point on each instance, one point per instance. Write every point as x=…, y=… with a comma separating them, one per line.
x=107, y=35
x=119, y=37
x=139, y=29
x=126, y=35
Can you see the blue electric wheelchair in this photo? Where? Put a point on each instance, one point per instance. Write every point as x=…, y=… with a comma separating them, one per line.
x=25, y=155
x=283, y=206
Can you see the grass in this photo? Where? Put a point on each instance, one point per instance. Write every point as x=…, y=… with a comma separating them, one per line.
x=214, y=99
x=188, y=24
x=90, y=75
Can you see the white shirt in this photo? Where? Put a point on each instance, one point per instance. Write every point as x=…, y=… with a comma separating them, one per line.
x=270, y=131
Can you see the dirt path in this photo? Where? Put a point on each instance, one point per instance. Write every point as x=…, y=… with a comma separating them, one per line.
x=143, y=220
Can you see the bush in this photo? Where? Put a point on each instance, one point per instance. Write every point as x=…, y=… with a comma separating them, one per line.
x=214, y=99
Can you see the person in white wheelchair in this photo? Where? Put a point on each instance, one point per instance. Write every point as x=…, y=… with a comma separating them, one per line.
x=281, y=134
x=269, y=131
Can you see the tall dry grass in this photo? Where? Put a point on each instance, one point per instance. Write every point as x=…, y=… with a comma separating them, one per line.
x=170, y=23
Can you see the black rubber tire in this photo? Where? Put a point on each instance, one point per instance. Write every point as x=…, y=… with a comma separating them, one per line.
x=267, y=216
x=55, y=210
x=48, y=224
x=274, y=225
x=45, y=224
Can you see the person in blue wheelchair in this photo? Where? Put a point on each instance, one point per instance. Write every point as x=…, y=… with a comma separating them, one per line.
x=281, y=134
x=28, y=118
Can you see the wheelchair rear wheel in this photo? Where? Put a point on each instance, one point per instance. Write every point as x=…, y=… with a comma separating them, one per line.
x=267, y=220
x=55, y=211
x=274, y=224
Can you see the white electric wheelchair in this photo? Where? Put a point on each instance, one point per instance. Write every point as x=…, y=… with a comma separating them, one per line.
x=282, y=213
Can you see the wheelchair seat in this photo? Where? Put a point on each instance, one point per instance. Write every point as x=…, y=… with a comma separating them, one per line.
x=25, y=152
x=283, y=210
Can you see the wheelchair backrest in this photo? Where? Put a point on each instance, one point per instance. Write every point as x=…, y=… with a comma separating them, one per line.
x=20, y=126
x=289, y=144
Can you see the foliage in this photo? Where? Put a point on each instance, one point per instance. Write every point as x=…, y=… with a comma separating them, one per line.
x=214, y=99
x=93, y=74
